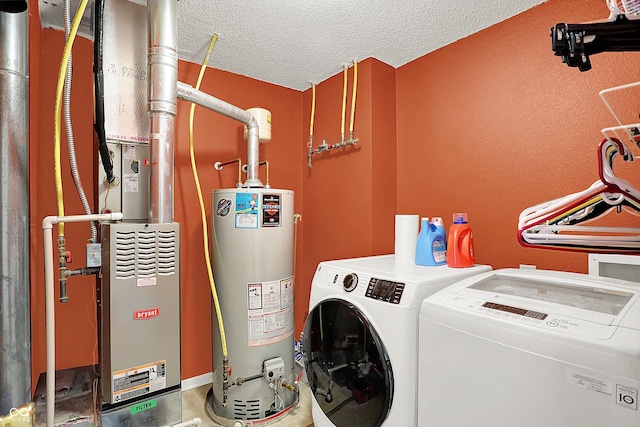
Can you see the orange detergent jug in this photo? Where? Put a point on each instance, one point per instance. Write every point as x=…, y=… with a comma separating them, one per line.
x=460, y=243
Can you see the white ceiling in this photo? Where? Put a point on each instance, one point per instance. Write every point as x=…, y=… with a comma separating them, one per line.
x=293, y=43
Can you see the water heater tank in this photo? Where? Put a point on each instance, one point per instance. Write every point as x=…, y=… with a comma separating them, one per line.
x=253, y=245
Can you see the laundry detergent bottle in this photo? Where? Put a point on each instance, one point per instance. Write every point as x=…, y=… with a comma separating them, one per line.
x=460, y=243
x=437, y=221
x=431, y=248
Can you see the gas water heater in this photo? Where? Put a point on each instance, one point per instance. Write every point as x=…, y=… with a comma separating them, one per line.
x=253, y=247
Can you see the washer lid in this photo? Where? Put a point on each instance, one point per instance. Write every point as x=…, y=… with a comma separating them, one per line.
x=598, y=299
x=594, y=299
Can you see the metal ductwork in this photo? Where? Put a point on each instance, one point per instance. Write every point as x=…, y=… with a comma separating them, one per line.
x=163, y=77
x=190, y=94
x=15, y=324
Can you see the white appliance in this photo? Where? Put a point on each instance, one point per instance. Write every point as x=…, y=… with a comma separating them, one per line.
x=360, y=339
x=530, y=348
x=625, y=267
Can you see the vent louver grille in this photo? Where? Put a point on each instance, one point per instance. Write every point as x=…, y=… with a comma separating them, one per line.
x=145, y=253
x=247, y=410
x=125, y=255
x=166, y=252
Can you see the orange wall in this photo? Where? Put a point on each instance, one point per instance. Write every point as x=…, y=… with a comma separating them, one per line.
x=495, y=123
x=350, y=193
x=489, y=125
x=216, y=139
x=76, y=329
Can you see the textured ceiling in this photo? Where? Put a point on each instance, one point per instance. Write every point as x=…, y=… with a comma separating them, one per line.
x=293, y=43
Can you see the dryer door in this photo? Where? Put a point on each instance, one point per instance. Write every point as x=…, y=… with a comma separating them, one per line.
x=348, y=368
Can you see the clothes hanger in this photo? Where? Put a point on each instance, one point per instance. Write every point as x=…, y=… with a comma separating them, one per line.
x=551, y=225
x=569, y=204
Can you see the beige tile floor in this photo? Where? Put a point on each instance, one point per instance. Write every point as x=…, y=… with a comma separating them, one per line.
x=193, y=405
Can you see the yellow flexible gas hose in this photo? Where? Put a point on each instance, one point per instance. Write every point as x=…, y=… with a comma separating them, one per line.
x=344, y=101
x=313, y=108
x=205, y=231
x=353, y=97
x=58, y=109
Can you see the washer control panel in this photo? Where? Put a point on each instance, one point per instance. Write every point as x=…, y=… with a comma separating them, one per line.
x=514, y=313
x=385, y=290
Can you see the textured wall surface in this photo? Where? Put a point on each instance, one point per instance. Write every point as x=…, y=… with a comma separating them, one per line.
x=490, y=125
x=495, y=123
x=294, y=43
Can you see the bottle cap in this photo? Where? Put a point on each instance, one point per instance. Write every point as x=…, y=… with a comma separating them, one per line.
x=437, y=220
x=460, y=218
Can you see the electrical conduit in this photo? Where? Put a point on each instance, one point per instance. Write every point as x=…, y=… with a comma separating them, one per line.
x=69, y=128
x=111, y=181
x=57, y=112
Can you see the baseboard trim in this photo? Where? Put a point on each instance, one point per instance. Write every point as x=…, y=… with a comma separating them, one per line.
x=198, y=381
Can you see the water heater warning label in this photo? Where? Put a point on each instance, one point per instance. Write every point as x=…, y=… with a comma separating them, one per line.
x=139, y=380
x=271, y=210
x=270, y=311
x=247, y=207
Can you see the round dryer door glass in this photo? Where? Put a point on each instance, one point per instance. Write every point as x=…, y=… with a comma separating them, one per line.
x=348, y=368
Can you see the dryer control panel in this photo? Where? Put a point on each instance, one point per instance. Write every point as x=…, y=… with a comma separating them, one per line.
x=385, y=290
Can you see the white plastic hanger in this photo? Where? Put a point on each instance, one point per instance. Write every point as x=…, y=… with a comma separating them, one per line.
x=545, y=225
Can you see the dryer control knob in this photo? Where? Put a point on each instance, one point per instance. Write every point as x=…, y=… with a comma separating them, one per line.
x=350, y=282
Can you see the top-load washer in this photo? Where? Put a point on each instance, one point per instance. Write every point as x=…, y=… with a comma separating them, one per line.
x=360, y=339
x=530, y=348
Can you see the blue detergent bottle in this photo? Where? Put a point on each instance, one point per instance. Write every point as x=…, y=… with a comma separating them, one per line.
x=431, y=248
x=437, y=221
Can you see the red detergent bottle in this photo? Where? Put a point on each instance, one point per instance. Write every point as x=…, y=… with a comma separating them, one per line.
x=460, y=243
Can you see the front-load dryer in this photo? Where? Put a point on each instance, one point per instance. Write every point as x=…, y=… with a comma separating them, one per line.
x=530, y=348
x=360, y=339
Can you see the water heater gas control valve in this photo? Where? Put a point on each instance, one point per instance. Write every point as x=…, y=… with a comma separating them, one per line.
x=273, y=369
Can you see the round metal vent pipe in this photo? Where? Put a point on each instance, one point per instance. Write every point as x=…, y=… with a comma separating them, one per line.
x=15, y=323
x=163, y=78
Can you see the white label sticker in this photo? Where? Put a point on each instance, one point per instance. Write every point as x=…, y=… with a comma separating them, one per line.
x=139, y=380
x=590, y=383
x=255, y=296
x=129, y=152
x=270, y=311
x=130, y=182
x=286, y=292
x=627, y=397
x=146, y=281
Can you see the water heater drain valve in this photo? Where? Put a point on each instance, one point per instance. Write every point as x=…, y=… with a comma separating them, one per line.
x=273, y=369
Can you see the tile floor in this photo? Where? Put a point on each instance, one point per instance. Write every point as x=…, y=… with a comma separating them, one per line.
x=193, y=405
